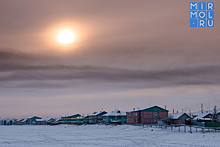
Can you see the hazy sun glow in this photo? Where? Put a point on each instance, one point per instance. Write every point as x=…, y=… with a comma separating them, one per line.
x=66, y=36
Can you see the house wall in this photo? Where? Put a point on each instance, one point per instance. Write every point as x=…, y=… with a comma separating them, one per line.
x=178, y=121
x=147, y=116
x=184, y=116
x=181, y=119
x=132, y=117
x=94, y=119
x=218, y=115
x=152, y=117
x=69, y=119
x=108, y=119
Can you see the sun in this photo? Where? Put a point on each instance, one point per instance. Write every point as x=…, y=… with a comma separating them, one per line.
x=66, y=36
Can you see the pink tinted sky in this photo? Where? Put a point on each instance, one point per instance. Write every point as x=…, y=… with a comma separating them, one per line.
x=129, y=54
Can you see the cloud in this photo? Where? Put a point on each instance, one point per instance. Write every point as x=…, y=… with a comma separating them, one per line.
x=27, y=70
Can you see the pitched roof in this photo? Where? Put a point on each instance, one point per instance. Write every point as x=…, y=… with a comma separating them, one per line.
x=69, y=115
x=96, y=113
x=177, y=115
x=82, y=116
x=24, y=120
x=33, y=117
x=116, y=112
x=205, y=111
x=201, y=116
x=143, y=108
x=5, y=119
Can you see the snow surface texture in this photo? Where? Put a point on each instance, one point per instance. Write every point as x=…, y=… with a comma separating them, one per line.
x=105, y=136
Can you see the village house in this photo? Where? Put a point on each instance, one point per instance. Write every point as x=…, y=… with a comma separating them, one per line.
x=83, y=119
x=178, y=118
x=205, y=119
x=18, y=121
x=69, y=119
x=146, y=115
x=5, y=121
x=115, y=117
x=202, y=117
x=32, y=120
x=46, y=121
x=96, y=117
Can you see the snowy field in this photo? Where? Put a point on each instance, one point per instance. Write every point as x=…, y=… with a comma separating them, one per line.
x=105, y=136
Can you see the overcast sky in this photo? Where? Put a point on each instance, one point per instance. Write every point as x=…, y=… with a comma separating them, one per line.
x=127, y=54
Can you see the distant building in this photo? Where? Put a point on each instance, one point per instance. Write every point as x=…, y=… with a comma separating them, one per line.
x=96, y=117
x=69, y=119
x=46, y=121
x=5, y=121
x=178, y=118
x=32, y=120
x=202, y=117
x=146, y=115
x=18, y=121
x=83, y=119
x=115, y=117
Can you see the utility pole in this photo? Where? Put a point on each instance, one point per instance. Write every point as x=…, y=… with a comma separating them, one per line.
x=214, y=117
x=202, y=108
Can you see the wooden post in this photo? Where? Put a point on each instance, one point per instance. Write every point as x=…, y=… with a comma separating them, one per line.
x=171, y=127
x=190, y=129
x=185, y=129
x=196, y=129
x=179, y=128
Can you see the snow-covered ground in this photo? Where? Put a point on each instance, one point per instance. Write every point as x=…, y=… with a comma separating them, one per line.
x=105, y=136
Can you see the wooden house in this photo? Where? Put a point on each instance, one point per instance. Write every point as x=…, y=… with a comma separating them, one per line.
x=203, y=117
x=31, y=120
x=146, y=115
x=96, y=117
x=178, y=118
x=115, y=117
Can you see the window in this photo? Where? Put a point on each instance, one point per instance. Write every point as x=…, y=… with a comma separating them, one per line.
x=155, y=120
x=155, y=114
